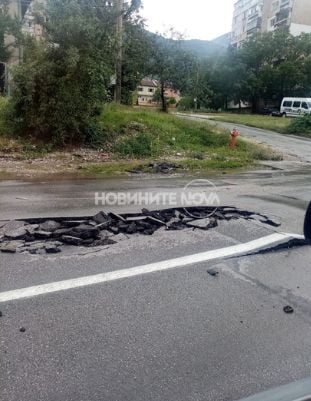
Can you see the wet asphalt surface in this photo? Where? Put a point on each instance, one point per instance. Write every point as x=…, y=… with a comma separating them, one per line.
x=177, y=335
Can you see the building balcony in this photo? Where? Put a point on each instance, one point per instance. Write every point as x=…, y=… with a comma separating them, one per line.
x=284, y=22
x=253, y=25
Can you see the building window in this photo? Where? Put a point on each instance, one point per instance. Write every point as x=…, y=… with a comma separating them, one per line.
x=140, y=89
x=151, y=90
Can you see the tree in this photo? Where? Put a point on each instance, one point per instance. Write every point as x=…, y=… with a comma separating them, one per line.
x=198, y=92
x=66, y=78
x=9, y=36
x=170, y=64
x=135, y=54
x=276, y=65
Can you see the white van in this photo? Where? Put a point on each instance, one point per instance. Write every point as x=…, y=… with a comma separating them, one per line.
x=296, y=106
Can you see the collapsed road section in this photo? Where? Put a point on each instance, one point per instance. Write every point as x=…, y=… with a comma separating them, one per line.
x=43, y=235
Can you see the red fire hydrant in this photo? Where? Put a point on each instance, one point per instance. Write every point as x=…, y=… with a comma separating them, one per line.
x=234, y=138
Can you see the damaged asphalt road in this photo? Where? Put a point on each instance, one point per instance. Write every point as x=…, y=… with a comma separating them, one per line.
x=210, y=331
x=47, y=235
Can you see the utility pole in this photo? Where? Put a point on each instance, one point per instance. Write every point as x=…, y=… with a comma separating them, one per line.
x=119, y=35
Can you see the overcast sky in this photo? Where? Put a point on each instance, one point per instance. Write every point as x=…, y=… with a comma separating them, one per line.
x=196, y=19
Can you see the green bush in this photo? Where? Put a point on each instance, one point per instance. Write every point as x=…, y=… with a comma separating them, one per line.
x=172, y=101
x=6, y=127
x=139, y=145
x=58, y=95
x=300, y=125
x=186, y=103
x=3, y=115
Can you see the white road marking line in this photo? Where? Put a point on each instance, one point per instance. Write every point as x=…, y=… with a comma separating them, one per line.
x=235, y=250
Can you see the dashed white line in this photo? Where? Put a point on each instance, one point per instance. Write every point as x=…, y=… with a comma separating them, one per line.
x=235, y=250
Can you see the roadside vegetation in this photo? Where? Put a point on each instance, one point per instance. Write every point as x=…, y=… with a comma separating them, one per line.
x=139, y=133
x=300, y=126
x=277, y=124
x=63, y=90
x=133, y=138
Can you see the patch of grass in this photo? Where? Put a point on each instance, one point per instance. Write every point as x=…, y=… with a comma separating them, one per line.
x=277, y=124
x=139, y=145
x=141, y=133
x=212, y=164
x=135, y=137
x=10, y=144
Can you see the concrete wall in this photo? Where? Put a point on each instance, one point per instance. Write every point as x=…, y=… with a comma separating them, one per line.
x=301, y=13
x=297, y=29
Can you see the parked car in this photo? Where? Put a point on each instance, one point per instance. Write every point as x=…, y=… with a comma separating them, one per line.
x=271, y=111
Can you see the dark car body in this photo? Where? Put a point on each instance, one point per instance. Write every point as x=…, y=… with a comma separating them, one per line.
x=271, y=111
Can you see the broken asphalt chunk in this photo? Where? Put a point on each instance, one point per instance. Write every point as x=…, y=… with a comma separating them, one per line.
x=11, y=246
x=107, y=228
x=61, y=232
x=69, y=240
x=117, y=217
x=49, y=226
x=104, y=225
x=17, y=233
x=51, y=248
x=200, y=223
x=43, y=234
x=13, y=225
x=156, y=221
x=213, y=272
x=288, y=309
x=132, y=228
x=84, y=231
x=114, y=230
x=100, y=218
x=73, y=223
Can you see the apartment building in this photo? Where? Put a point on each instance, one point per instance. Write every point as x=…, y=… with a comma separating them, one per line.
x=247, y=20
x=294, y=14
x=251, y=16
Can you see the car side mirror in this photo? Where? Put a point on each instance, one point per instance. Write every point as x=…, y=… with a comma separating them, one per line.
x=297, y=391
x=307, y=224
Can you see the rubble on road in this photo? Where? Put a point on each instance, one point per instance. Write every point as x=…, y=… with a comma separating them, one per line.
x=157, y=168
x=40, y=236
